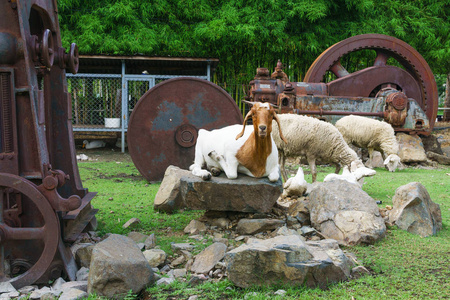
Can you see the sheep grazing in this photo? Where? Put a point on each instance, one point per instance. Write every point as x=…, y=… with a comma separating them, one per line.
x=372, y=134
x=295, y=186
x=315, y=139
x=236, y=148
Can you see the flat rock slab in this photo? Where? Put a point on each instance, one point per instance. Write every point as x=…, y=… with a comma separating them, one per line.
x=288, y=260
x=244, y=194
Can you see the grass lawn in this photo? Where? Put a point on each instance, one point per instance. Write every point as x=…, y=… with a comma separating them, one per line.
x=404, y=266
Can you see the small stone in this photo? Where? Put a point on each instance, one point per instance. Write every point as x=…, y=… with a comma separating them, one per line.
x=280, y=292
x=193, y=297
x=14, y=294
x=6, y=287
x=187, y=255
x=221, y=223
x=165, y=280
x=155, y=257
x=178, y=261
x=82, y=274
x=73, y=294
x=221, y=240
x=57, y=284
x=307, y=230
x=195, y=227
x=131, y=223
x=27, y=289
x=165, y=269
x=181, y=246
x=196, y=280
x=177, y=273
x=150, y=242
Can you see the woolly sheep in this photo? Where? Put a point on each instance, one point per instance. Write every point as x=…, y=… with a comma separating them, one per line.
x=372, y=134
x=314, y=139
x=235, y=148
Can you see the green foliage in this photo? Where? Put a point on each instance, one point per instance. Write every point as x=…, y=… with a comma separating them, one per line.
x=245, y=35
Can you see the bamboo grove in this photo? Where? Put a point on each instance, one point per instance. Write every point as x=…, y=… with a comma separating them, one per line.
x=245, y=35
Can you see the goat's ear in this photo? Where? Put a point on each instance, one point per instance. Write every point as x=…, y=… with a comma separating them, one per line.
x=275, y=116
x=245, y=122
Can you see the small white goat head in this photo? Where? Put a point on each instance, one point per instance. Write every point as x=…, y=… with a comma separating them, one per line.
x=392, y=162
x=262, y=115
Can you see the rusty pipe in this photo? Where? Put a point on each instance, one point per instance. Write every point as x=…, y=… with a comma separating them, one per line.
x=338, y=113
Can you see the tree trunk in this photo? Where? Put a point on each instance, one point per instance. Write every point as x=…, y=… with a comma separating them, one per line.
x=446, y=117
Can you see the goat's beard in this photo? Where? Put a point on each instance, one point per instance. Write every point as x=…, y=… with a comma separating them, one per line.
x=262, y=134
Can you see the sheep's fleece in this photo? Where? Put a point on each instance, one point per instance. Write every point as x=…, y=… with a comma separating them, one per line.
x=372, y=134
x=312, y=138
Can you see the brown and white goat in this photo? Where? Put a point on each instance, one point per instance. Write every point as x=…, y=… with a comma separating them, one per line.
x=237, y=148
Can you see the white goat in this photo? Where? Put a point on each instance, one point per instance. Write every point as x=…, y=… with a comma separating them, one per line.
x=235, y=148
x=314, y=139
x=373, y=135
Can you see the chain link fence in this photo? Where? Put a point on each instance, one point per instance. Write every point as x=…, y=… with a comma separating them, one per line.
x=97, y=98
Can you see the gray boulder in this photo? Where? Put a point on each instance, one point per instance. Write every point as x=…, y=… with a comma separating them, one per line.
x=118, y=266
x=414, y=211
x=344, y=212
x=411, y=148
x=288, y=260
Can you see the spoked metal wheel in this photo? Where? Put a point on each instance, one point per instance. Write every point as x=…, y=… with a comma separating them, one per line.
x=29, y=231
x=415, y=79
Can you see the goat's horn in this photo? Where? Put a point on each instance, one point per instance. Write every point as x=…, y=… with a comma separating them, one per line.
x=248, y=102
x=243, y=127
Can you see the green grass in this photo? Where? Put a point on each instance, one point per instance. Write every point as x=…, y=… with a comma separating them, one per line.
x=405, y=266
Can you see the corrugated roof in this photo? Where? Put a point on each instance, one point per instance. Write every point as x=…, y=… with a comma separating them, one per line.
x=105, y=64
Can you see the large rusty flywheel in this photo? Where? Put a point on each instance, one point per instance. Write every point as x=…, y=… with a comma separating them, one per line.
x=164, y=124
x=408, y=72
x=29, y=231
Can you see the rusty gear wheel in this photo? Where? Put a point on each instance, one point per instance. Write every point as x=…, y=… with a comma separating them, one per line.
x=164, y=124
x=39, y=230
x=415, y=79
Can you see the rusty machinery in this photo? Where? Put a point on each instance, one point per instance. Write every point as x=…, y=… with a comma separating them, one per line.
x=44, y=206
x=399, y=87
x=403, y=93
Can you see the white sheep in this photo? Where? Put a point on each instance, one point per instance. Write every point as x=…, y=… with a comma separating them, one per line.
x=372, y=134
x=315, y=139
x=236, y=148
